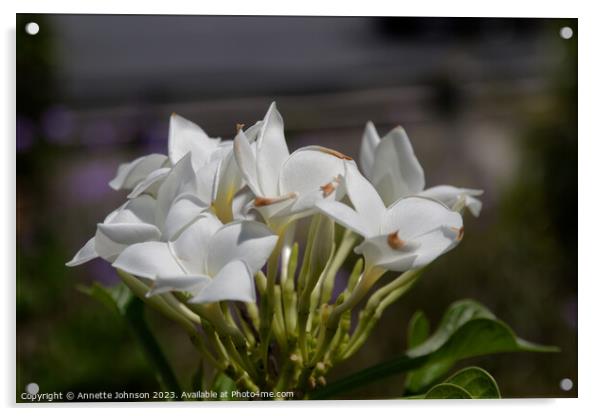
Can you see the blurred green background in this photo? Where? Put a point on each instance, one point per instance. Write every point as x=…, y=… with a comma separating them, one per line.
x=487, y=103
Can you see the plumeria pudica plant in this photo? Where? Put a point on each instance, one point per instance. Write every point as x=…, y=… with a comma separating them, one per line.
x=208, y=237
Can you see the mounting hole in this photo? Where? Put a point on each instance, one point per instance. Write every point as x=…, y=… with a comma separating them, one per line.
x=32, y=28
x=566, y=32
x=566, y=384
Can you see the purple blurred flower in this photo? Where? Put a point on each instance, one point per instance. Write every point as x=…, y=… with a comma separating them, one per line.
x=58, y=125
x=89, y=182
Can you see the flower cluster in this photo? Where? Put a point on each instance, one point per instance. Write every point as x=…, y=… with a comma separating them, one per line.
x=202, y=224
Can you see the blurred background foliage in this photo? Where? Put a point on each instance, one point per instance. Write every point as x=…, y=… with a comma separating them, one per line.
x=488, y=103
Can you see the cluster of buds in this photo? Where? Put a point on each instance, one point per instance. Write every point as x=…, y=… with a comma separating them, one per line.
x=207, y=236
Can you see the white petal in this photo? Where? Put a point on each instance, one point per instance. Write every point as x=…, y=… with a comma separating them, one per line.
x=363, y=196
x=253, y=132
x=184, y=210
x=377, y=252
x=396, y=172
x=109, y=218
x=247, y=162
x=105, y=247
x=347, y=217
x=186, y=137
x=224, y=158
x=242, y=204
x=85, y=254
x=450, y=195
x=188, y=283
x=272, y=151
x=272, y=207
x=229, y=181
x=205, y=180
x=243, y=240
x=130, y=174
x=131, y=223
x=233, y=282
x=414, y=216
x=150, y=185
x=474, y=205
x=130, y=233
x=423, y=227
x=223, y=149
x=148, y=260
x=139, y=209
x=430, y=246
x=370, y=141
x=192, y=246
x=181, y=180
x=314, y=173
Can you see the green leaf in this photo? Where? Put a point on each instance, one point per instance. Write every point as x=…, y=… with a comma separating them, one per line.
x=468, y=383
x=224, y=386
x=467, y=329
x=477, y=382
x=447, y=391
x=418, y=329
x=114, y=297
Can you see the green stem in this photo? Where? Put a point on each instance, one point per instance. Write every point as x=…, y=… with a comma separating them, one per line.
x=289, y=296
x=346, y=245
x=278, y=324
x=368, y=279
x=267, y=302
x=157, y=302
x=378, y=302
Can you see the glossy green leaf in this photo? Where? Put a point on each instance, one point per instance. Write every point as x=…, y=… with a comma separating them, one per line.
x=467, y=329
x=468, y=383
x=418, y=329
x=477, y=382
x=447, y=391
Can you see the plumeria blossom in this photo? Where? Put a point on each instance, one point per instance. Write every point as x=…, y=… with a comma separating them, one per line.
x=411, y=233
x=392, y=167
x=211, y=159
x=280, y=184
x=145, y=218
x=204, y=219
x=209, y=260
x=218, y=176
x=167, y=192
x=143, y=174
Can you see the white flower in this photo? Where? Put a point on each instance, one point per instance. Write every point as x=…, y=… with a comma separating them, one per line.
x=409, y=234
x=282, y=184
x=145, y=218
x=391, y=166
x=213, y=262
x=218, y=175
x=145, y=174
